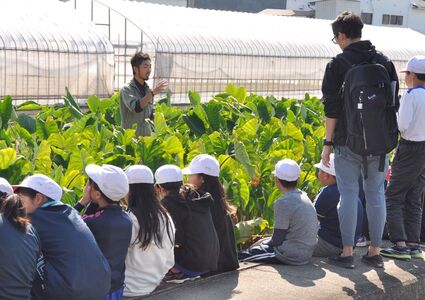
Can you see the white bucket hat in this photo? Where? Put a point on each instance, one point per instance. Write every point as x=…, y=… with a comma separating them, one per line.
x=330, y=169
x=111, y=180
x=139, y=174
x=42, y=184
x=287, y=169
x=168, y=173
x=203, y=163
x=5, y=187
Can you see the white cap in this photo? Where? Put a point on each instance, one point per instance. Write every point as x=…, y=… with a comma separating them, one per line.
x=168, y=173
x=287, y=169
x=5, y=187
x=111, y=180
x=139, y=174
x=415, y=65
x=42, y=184
x=330, y=169
x=203, y=163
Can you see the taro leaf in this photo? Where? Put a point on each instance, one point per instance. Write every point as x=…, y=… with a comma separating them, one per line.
x=161, y=126
x=195, y=123
x=246, y=229
x=72, y=105
x=241, y=155
x=43, y=162
x=194, y=98
x=93, y=102
x=7, y=158
x=6, y=109
x=29, y=105
x=27, y=122
x=212, y=110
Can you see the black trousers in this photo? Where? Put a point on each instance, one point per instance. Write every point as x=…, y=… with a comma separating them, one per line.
x=403, y=194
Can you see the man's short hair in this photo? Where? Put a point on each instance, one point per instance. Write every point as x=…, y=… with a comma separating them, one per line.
x=348, y=23
x=420, y=77
x=288, y=184
x=138, y=59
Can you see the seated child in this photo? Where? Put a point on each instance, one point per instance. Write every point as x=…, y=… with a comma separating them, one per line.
x=196, y=247
x=203, y=173
x=326, y=203
x=295, y=229
x=151, y=252
x=110, y=225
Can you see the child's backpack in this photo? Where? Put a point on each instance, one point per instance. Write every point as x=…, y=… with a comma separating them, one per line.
x=369, y=111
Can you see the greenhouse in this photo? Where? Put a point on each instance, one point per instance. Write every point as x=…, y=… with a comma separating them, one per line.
x=194, y=49
x=44, y=48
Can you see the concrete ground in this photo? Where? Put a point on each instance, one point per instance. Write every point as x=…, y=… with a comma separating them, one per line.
x=319, y=280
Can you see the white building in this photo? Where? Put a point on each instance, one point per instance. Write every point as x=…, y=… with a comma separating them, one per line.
x=397, y=13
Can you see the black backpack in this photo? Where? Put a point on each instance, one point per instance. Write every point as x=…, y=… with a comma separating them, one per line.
x=369, y=110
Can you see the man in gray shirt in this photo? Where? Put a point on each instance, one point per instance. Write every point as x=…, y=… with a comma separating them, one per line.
x=136, y=98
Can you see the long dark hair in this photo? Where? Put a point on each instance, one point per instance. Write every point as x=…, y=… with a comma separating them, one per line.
x=213, y=186
x=14, y=212
x=144, y=204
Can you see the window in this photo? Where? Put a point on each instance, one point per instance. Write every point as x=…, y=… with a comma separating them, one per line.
x=391, y=20
x=367, y=18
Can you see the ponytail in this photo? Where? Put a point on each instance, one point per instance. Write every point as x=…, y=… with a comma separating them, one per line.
x=13, y=210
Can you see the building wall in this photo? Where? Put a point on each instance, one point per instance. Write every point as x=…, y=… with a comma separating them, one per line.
x=329, y=9
x=412, y=18
x=240, y=5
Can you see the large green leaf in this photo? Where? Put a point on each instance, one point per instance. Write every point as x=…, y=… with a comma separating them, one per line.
x=29, y=105
x=7, y=158
x=194, y=98
x=195, y=123
x=93, y=102
x=6, y=109
x=72, y=104
x=242, y=156
x=43, y=162
x=212, y=110
x=246, y=229
x=27, y=122
x=161, y=126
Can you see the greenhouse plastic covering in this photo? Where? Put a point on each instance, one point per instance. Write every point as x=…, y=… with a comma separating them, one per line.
x=204, y=50
x=44, y=47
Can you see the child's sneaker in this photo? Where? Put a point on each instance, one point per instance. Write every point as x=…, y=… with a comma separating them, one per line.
x=415, y=251
x=178, y=277
x=397, y=252
x=362, y=242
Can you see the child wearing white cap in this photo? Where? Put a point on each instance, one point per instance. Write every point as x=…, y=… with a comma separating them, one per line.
x=196, y=247
x=295, y=228
x=326, y=204
x=5, y=189
x=110, y=224
x=72, y=259
x=19, y=247
x=203, y=172
x=403, y=194
x=151, y=251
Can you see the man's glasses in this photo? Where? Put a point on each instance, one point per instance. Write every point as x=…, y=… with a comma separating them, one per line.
x=334, y=39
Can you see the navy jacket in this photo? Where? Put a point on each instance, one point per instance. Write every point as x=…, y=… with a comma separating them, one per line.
x=111, y=227
x=74, y=264
x=326, y=207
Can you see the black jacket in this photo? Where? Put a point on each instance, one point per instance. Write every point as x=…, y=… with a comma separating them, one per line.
x=196, y=244
x=355, y=53
x=228, y=258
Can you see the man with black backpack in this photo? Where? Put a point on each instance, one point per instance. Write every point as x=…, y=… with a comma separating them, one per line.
x=359, y=95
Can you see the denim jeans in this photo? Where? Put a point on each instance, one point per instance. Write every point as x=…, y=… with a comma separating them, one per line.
x=349, y=167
